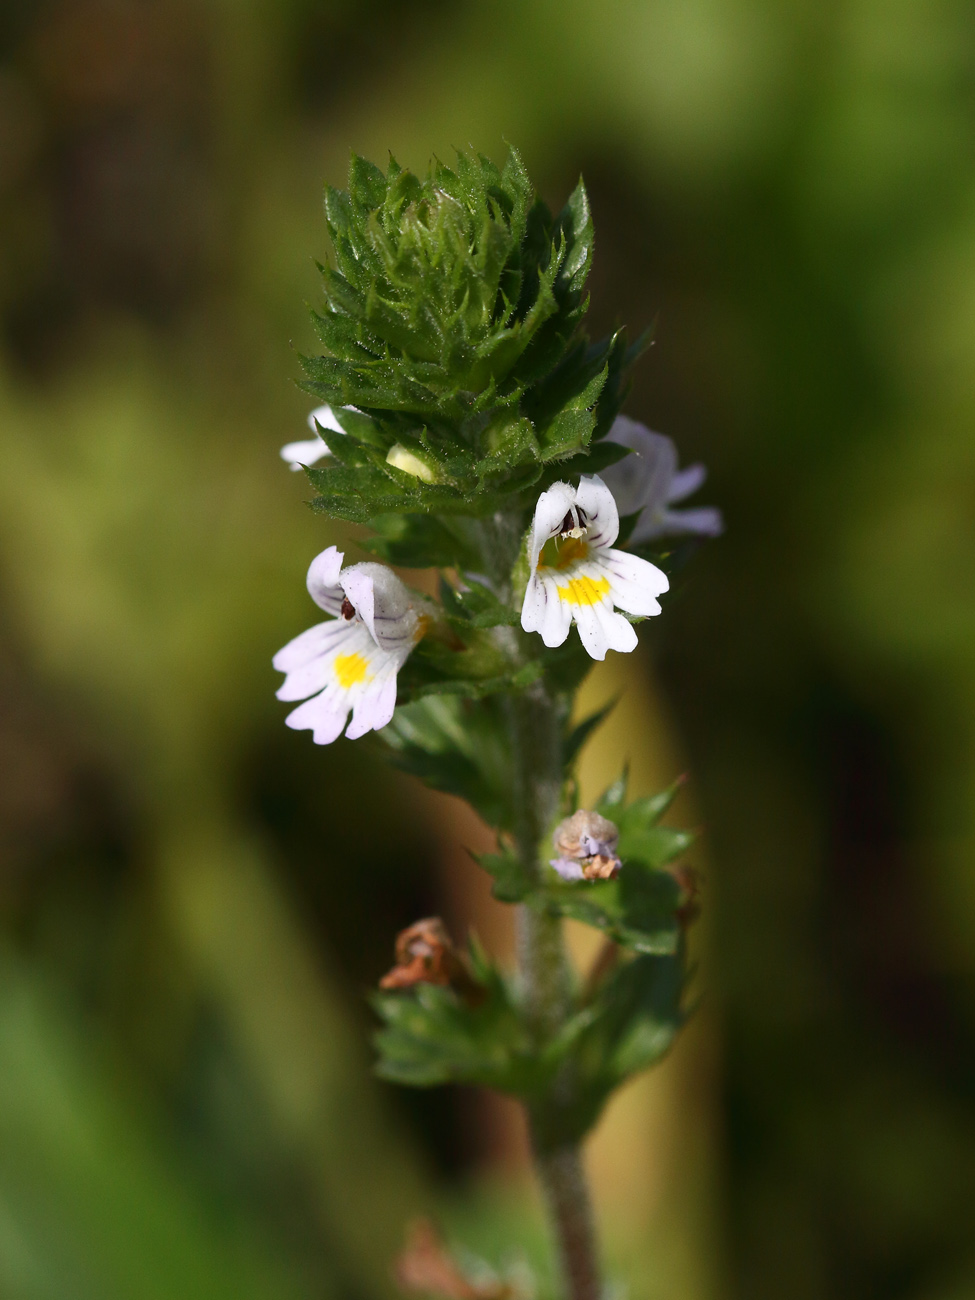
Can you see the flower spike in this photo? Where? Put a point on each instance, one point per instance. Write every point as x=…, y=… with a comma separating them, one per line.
x=649, y=481
x=577, y=575
x=351, y=662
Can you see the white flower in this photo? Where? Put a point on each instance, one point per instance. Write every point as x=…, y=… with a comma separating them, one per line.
x=650, y=482
x=349, y=663
x=310, y=450
x=577, y=575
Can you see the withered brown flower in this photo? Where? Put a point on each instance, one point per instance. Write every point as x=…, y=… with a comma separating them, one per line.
x=425, y=1265
x=425, y=954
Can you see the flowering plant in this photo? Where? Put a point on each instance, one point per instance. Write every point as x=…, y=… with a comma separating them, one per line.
x=474, y=428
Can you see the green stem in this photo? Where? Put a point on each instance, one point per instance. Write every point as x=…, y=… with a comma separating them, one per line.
x=535, y=730
x=563, y=1181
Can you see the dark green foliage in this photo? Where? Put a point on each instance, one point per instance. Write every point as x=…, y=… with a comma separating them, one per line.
x=475, y=607
x=512, y=881
x=637, y=910
x=448, y=295
x=451, y=323
x=423, y=541
x=454, y=362
x=431, y=1036
x=628, y=1026
x=474, y=667
x=459, y=746
x=624, y=1024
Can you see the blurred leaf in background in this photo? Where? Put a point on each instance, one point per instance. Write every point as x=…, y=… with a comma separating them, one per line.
x=790, y=190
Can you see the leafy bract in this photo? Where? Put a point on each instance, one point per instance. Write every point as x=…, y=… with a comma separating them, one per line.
x=458, y=745
x=451, y=346
x=637, y=909
x=431, y=1036
x=628, y=1027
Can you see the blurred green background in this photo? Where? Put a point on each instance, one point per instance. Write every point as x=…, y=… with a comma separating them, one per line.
x=193, y=899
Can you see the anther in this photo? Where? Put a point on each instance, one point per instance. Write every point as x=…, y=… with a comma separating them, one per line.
x=574, y=524
x=348, y=609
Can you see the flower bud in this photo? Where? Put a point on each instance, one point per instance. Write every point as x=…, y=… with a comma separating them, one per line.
x=401, y=458
x=586, y=845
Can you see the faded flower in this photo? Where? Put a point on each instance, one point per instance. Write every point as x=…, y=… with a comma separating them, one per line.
x=649, y=482
x=586, y=847
x=425, y=954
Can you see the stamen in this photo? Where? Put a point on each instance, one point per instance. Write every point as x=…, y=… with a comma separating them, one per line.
x=574, y=524
x=348, y=609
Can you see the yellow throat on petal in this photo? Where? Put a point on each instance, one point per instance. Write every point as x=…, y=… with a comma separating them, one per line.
x=350, y=670
x=584, y=591
x=556, y=555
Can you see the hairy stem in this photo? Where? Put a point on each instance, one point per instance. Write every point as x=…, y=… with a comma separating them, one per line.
x=567, y=1196
x=535, y=730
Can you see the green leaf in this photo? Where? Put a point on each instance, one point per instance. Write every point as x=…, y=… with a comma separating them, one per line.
x=636, y=910
x=631, y=1025
x=512, y=882
x=507, y=442
x=430, y=1036
x=367, y=184
x=642, y=839
x=357, y=494
x=450, y=326
x=619, y=360
x=571, y=428
x=579, y=734
x=589, y=461
x=457, y=745
x=476, y=606
x=474, y=665
x=422, y=541
x=468, y=688
x=628, y=1026
x=449, y=295
x=614, y=797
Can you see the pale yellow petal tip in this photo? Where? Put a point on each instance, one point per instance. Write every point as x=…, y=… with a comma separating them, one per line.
x=400, y=458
